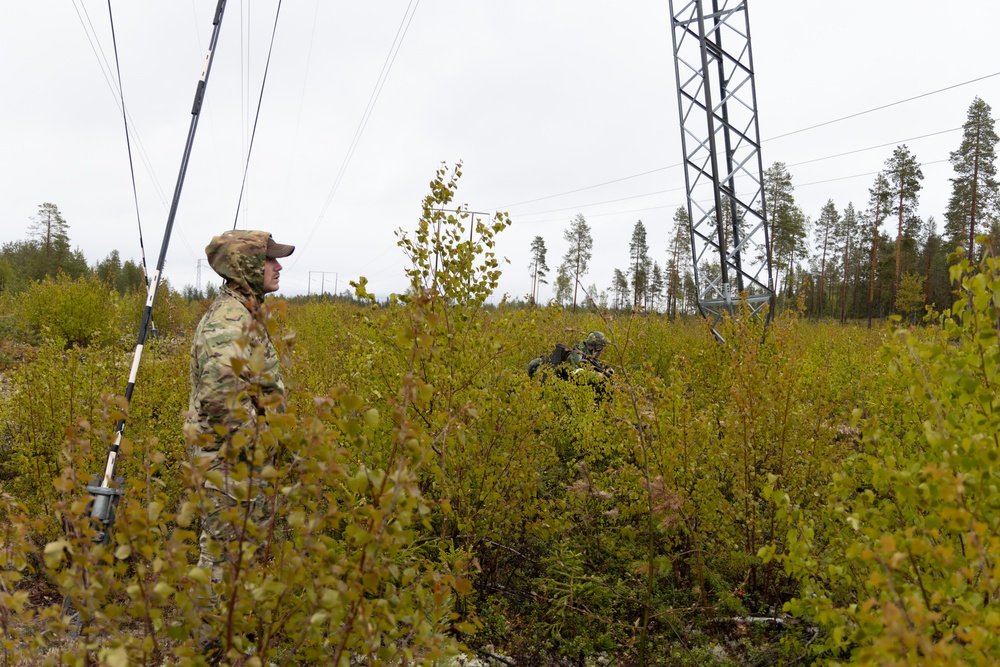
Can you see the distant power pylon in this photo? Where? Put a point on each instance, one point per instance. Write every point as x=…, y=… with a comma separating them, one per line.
x=197, y=284
x=322, y=282
x=723, y=171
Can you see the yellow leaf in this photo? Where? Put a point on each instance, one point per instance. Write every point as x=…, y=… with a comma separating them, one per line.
x=198, y=574
x=116, y=657
x=163, y=590
x=54, y=552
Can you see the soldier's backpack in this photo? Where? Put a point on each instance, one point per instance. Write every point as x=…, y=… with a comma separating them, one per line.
x=559, y=356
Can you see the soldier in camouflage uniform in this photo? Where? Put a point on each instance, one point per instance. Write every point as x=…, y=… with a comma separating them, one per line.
x=227, y=395
x=587, y=353
x=584, y=356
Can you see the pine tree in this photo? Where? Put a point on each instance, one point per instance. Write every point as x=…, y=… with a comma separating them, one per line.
x=846, y=235
x=975, y=198
x=563, y=286
x=638, y=254
x=539, y=269
x=904, y=174
x=679, y=262
x=826, y=227
x=880, y=199
x=620, y=288
x=576, y=261
x=656, y=284
x=50, y=232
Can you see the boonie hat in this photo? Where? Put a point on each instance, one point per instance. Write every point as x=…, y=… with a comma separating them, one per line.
x=276, y=250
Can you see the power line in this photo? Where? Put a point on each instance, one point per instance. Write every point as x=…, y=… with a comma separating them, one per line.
x=302, y=104
x=869, y=148
x=589, y=187
x=260, y=101
x=390, y=58
x=654, y=208
x=884, y=106
x=829, y=122
x=115, y=90
x=827, y=157
x=128, y=143
x=607, y=201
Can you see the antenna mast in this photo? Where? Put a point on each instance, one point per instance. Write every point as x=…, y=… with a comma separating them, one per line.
x=107, y=493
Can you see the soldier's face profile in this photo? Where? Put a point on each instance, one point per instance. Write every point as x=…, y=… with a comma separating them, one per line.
x=272, y=274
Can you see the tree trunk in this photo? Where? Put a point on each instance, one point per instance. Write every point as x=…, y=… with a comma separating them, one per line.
x=576, y=275
x=843, y=296
x=972, y=215
x=871, y=281
x=899, y=249
x=822, y=273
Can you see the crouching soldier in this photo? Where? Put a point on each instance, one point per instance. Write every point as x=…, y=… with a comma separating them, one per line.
x=581, y=362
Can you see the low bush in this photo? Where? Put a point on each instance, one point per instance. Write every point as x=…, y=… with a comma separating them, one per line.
x=899, y=565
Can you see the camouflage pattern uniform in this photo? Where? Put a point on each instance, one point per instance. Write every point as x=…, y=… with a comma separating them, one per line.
x=224, y=401
x=583, y=357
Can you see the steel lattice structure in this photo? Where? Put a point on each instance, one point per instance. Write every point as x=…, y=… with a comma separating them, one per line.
x=723, y=174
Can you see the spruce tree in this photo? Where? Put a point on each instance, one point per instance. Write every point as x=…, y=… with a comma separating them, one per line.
x=656, y=285
x=619, y=287
x=787, y=221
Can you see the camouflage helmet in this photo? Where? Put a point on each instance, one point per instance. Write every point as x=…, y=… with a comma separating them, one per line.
x=596, y=341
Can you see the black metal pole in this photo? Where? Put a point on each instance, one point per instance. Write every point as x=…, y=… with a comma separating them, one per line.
x=107, y=492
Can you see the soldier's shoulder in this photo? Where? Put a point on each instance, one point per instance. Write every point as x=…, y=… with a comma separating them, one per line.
x=227, y=309
x=226, y=314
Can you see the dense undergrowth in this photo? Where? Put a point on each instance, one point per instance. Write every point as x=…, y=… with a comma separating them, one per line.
x=836, y=480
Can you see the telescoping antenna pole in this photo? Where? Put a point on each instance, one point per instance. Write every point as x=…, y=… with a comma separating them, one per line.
x=107, y=493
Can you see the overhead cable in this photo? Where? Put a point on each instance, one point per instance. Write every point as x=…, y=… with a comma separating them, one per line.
x=260, y=100
x=128, y=144
x=884, y=106
x=829, y=122
x=826, y=157
x=390, y=58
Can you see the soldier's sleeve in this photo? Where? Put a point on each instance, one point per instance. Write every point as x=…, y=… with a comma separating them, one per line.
x=222, y=389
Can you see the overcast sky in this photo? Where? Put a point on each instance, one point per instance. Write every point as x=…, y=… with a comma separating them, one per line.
x=555, y=107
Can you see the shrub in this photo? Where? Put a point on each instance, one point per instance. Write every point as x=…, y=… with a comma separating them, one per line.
x=900, y=567
x=72, y=311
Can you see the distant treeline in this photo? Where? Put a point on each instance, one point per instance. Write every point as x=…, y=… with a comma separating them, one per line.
x=47, y=253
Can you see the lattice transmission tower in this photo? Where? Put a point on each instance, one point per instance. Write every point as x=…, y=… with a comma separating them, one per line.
x=723, y=173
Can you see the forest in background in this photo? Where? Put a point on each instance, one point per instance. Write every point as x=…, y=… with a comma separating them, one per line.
x=860, y=260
